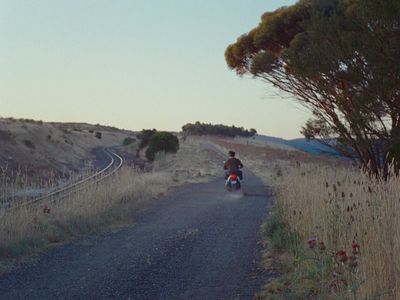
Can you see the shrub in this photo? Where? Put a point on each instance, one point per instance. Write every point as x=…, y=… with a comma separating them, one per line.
x=281, y=238
x=29, y=144
x=128, y=140
x=145, y=137
x=162, y=142
x=98, y=135
x=151, y=153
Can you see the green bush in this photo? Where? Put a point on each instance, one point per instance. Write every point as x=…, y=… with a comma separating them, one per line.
x=151, y=153
x=162, y=142
x=145, y=137
x=29, y=144
x=280, y=237
x=128, y=140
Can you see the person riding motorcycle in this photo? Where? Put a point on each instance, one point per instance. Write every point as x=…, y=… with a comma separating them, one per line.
x=233, y=165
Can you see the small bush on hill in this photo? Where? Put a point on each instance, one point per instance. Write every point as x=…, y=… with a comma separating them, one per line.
x=39, y=122
x=162, y=142
x=145, y=137
x=98, y=135
x=29, y=144
x=128, y=140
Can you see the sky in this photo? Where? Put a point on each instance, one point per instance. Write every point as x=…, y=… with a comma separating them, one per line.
x=136, y=64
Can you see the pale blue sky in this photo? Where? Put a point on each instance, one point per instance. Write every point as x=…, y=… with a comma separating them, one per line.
x=135, y=64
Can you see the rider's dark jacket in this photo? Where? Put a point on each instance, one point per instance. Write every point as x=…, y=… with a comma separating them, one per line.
x=233, y=164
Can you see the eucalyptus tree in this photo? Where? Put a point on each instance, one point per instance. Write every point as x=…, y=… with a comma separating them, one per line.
x=340, y=59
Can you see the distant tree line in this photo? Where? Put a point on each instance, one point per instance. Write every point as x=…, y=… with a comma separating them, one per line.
x=219, y=130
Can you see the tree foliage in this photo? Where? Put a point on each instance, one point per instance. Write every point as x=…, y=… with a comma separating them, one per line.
x=340, y=59
x=157, y=141
x=220, y=130
x=145, y=136
x=128, y=140
x=162, y=142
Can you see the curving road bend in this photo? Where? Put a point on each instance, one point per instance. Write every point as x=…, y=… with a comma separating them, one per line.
x=199, y=243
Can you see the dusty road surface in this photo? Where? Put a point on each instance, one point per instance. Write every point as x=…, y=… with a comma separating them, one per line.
x=199, y=243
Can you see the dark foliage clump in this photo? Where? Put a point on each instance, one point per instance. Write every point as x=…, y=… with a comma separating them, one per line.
x=219, y=130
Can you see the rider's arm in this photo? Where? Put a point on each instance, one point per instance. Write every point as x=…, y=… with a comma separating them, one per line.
x=240, y=164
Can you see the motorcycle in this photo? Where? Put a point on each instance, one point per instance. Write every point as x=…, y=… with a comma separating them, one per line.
x=233, y=182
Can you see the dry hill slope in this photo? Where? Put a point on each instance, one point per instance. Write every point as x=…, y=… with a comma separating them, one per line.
x=36, y=146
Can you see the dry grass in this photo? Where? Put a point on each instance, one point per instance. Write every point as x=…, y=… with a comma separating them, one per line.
x=271, y=163
x=194, y=162
x=62, y=147
x=339, y=206
x=92, y=208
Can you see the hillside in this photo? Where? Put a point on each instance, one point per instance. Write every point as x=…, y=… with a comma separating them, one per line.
x=312, y=147
x=36, y=146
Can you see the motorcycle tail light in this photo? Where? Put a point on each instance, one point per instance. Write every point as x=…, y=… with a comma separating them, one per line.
x=234, y=177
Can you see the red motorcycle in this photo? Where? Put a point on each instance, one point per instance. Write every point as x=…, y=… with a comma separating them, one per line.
x=233, y=182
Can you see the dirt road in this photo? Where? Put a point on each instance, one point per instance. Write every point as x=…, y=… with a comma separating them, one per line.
x=199, y=243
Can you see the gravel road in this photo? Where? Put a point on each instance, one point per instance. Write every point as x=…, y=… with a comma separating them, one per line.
x=199, y=243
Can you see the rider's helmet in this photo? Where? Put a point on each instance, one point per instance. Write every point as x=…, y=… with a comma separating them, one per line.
x=232, y=153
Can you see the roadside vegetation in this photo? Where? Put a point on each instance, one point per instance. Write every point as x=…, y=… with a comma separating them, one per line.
x=355, y=217
x=345, y=225
x=28, y=229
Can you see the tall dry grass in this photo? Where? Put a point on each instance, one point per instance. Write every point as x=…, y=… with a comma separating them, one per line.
x=93, y=207
x=341, y=205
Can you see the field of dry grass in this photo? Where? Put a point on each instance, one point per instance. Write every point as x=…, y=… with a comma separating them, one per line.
x=344, y=208
x=194, y=162
x=271, y=163
x=94, y=207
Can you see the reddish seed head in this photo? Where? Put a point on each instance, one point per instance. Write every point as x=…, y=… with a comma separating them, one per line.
x=355, y=247
x=312, y=241
x=46, y=209
x=341, y=256
x=321, y=245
